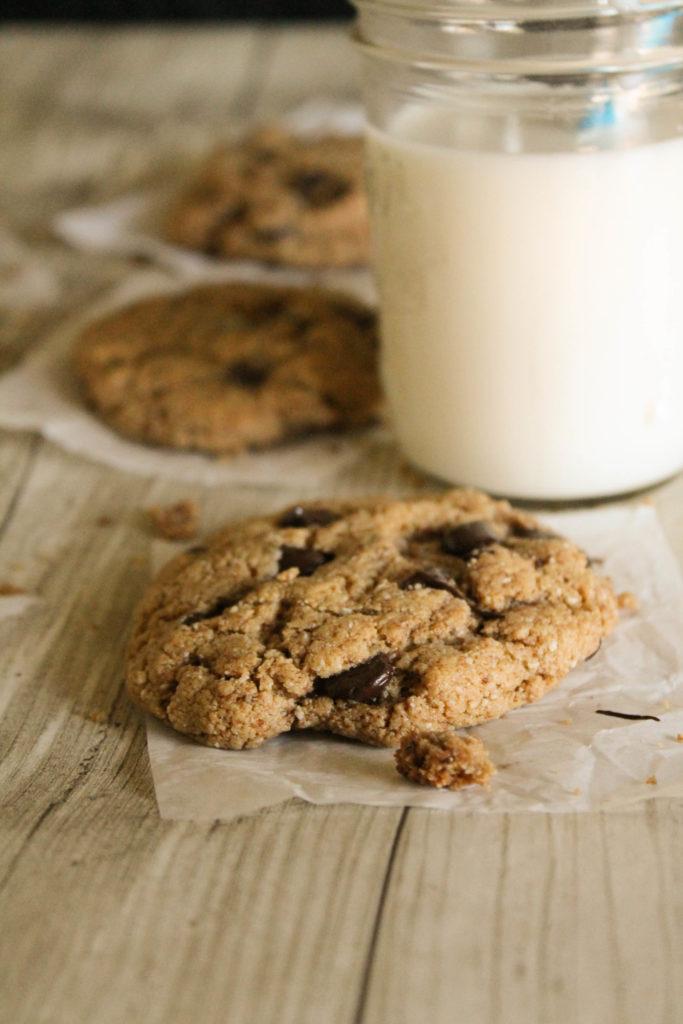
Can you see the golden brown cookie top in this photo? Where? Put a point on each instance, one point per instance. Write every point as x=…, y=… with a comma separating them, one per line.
x=278, y=198
x=227, y=367
x=373, y=619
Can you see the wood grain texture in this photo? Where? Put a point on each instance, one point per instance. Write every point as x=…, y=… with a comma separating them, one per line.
x=301, y=914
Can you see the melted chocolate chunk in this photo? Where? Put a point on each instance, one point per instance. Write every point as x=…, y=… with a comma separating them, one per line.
x=248, y=375
x=306, y=560
x=302, y=516
x=366, y=319
x=364, y=683
x=435, y=579
x=318, y=187
x=467, y=538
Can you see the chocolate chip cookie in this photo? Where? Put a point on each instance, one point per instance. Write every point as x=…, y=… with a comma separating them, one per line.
x=372, y=619
x=278, y=198
x=223, y=368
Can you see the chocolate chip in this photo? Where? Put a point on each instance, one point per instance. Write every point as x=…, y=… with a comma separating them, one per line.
x=485, y=614
x=363, y=318
x=298, y=323
x=206, y=192
x=467, y=538
x=264, y=154
x=301, y=516
x=318, y=187
x=248, y=375
x=365, y=683
x=268, y=311
x=532, y=532
x=231, y=215
x=306, y=560
x=435, y=579
x=274, y=234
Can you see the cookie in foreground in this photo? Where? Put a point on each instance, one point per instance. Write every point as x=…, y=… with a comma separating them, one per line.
x=372, y=619
x=278, y=198
x=228, y=367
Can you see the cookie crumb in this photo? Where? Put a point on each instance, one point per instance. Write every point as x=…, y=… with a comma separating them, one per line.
x=651, y=780
x=566, y=721
x=175, y=522
x=104, y=521
x=679, y=737
x=627, y=601
x=97, y=715
x=576, y=792
x=666, y=705
x=444, y=759
x=9, y=590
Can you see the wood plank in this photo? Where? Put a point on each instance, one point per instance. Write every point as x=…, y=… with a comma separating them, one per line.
x=16, y=454
x=175, y=917
x=264, y=919
x=512, y=919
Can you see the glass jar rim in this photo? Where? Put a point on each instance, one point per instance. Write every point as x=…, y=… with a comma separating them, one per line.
x=523, y=10
x=512, y=37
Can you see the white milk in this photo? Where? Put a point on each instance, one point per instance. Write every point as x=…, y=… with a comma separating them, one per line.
x=532, y=312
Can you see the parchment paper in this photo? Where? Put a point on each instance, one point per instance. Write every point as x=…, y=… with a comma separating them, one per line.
x=42, y=394
x=555, y=755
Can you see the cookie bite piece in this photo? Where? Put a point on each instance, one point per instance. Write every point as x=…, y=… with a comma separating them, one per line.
x=444, y=759
x=229, y=367
x=373, y=619
x=278, y=198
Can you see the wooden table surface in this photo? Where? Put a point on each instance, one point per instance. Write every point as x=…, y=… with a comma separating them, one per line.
x=298, y=914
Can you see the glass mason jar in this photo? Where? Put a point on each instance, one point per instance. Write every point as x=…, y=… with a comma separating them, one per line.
x=525, y=172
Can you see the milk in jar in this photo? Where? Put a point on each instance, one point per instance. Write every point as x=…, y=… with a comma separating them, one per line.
x=531, y=311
